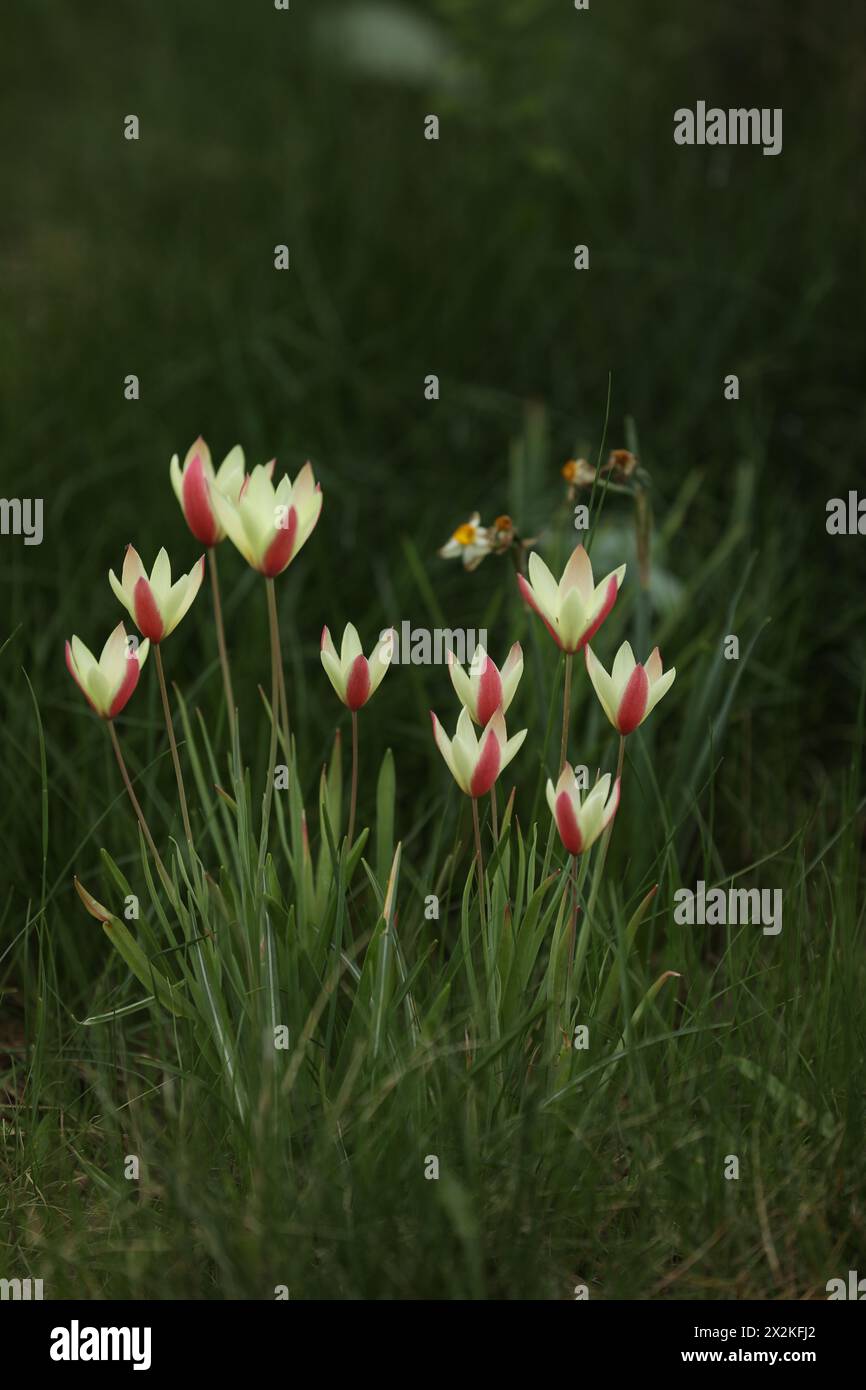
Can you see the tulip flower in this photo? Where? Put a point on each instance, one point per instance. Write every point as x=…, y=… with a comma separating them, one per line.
x=354, y=678
x=194, y=486
x=155, y=604
x=574, y=609
x=486, y=689
x=268, y=524
x=475, y=763
x=195, y=482
x=157, y=607
x=631, y=691
x=580, y=823
x=108, y=683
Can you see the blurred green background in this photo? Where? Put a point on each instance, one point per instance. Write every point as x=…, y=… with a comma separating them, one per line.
x=411, y=257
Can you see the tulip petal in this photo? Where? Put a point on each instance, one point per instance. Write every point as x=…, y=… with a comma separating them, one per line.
x=72, y=668
x=181, y=604
x=308, y=519
x=601, y=683
x=334, y=672
x=661, y=687
x=572, y=621
x=304, y=489
x=176, y=477
x=511, y=674
x=489, y=691
x=196, y=504
x=121, y=594
x=146, y=612
x=133, y=570
x=544, y=586
x=126, y=687
x=381, y=659
x=230, y=474
x=200, y=448
x=529, y=596
x=488, y=765
x=654, y=666
x=513, y=746
x=281, y=548
x=160, y=577
x=633, y=705
x=112, y=658
x=623, y=664
x=358, y=683
x=577, y=575
x=350, y=647
x=463, y=688
x=443, y=743
x=230, y=519
x=85, y=661
x=606, y=605
x=567, y=824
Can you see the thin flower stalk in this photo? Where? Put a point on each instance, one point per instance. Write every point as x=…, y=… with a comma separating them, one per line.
x=136, y=806
x=221, y=636
x=274, y=630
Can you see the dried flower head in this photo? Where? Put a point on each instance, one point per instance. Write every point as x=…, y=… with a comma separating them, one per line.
x=621, y=463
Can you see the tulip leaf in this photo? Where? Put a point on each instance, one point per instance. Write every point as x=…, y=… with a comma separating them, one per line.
x=386, y=789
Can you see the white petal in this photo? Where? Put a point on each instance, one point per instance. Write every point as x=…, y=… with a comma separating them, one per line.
x=661, y=687
x=230, y=474
x=160, y=578
x=544, y=587
x=511, y=747
x=133, y=570
x=350, y=647
x=112, y=661
x=573, y=620
x=577, y=575
x=463, y=687
x=601, y=684
x=334, y=673
x=380, y=659
x=120, y=593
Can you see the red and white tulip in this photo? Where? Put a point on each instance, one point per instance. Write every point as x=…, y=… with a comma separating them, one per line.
x=631, y=691
x=486, y=689
x=108, y=683
x=574, y=609
x=475, y=763
x=155, y=605
x=195, y=482
x=353, y=676
x=270, y=524
x=581, y=822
